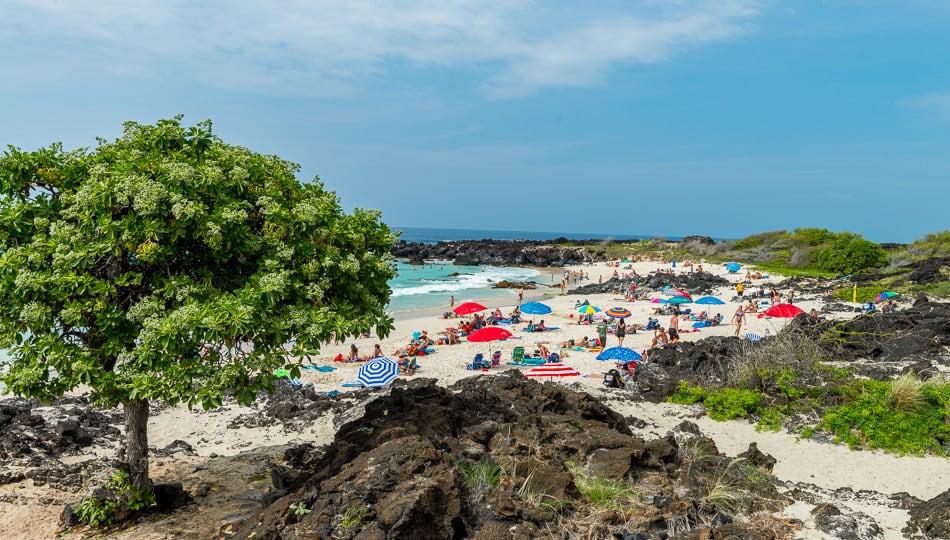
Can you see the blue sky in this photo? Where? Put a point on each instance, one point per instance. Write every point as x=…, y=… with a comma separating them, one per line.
x=722, y=118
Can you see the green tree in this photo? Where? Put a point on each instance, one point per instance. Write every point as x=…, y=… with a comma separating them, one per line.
x=850, y=253
x=168, y=265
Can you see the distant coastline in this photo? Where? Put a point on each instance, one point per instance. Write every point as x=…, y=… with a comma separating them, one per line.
x=432, y=235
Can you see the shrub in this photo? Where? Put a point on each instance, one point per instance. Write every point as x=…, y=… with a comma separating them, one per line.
x=687, y=395
x=102, y=511
x=850, y=253
x=730, y=403
x=906, y=393
x=868, y=419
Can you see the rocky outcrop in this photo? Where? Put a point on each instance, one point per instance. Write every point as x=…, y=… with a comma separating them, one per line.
x=695, y=283
x=930, y=519
x=495, y=252
x=484, y=458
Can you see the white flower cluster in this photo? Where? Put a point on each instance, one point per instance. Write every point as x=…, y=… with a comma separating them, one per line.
x=143, y=309
x=35, y=315
x=212, y=235
x=238, y=174
x=149, y=197
x=179, y=172
x=274, y=282
x=233, y=214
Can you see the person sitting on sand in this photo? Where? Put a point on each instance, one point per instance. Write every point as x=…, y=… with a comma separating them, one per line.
x=660, y=338
x=751, y=307
x=377, y=351
x=541, y=327
x=543, y=351
x=354, y=354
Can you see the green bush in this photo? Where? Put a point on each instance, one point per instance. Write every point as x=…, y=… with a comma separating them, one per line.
x=849, y=253
x=813, y=236
x=98, y=512
x=730, y=403
x=864, y=294
x=687, y=395
x=868, y=419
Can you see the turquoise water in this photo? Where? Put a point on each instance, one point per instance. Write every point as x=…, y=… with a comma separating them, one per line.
x=417, y=287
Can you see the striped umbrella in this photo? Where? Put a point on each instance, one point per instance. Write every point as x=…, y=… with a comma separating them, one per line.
x=618, y=312
x=377, y=373
x=555, y=369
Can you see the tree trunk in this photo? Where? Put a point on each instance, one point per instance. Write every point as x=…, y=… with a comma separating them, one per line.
x=135, y=453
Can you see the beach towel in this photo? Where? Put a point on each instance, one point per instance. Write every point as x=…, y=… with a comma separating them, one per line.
x=352, y=384
x=322, y=369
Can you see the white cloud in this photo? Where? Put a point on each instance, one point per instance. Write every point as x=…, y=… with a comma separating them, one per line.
x=939, y=103
x=522, y=45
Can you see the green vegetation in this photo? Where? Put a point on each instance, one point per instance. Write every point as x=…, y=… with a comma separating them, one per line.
x=730, y=403
x=168, y=265
x=864, y=294
x=480, y=477
x=300, y=509
x=102, y=511
x=687, y=395
x=874, y=417
x=849, y=253
x=354, y=516
x=605, y=494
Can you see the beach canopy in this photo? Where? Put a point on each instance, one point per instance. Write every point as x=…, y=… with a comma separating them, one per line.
x=733, y=267
x=489, y=333
x=555, y=369
x=618, y=312
x=885, y=295
x=468, y=308
x=783, y=311
x=377, y=373
x=709, y=300
x=588, y=309
x=622, y=354
x=535, y=308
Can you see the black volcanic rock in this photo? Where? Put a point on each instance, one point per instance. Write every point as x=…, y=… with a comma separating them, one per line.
x=494, y=252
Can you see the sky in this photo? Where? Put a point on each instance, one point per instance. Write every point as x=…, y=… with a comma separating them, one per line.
x=716, y=117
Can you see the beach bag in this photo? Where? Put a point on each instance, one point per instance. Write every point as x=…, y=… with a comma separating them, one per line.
x=613, y=379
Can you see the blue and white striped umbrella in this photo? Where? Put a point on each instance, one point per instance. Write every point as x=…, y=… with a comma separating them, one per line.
x=535, y=308
x=622, y=354
x=377, y=373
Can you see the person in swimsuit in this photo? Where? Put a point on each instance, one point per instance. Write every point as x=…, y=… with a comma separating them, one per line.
x=621, y=332
x=738, y=318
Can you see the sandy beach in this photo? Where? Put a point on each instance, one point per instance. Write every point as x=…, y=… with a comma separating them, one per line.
x=823, y=467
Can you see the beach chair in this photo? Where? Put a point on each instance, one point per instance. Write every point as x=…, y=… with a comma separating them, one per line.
x=753, y=337
x=496, y=358
x=517, y=355
x=478, y=363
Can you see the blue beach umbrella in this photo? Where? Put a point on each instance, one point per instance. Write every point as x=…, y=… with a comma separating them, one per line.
x=733, y=267
x=621, y=354
x=535, y=308
x=377, y=373
x=710, y=300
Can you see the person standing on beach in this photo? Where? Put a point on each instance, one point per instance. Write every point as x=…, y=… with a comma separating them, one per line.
x=738, y=317
x=740, y=289
x=520, y=295
x=452, y=301
x=621, y=331
x=602, y=333
x=674, y=330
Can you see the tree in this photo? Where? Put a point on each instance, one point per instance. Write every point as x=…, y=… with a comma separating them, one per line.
x=849, y=253
x=168, y=265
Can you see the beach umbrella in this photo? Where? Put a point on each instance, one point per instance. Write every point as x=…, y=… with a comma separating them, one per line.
x=658, y=301
x=885, y=295
x=733, y=267
x=709, y=300
x=535, y=308
x=783, y=311
x=618, y=312
x=683, y=293
x=468, y=308
x=377, y=373
x=679, y=300
x=489, y=333
x=555, y=369
x=621, y=354
x=588, y=309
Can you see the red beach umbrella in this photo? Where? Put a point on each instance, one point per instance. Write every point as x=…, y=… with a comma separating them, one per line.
x=783, y=311
x=489, y=333
x=683, y=293
x=555, y=369
x=468, y=308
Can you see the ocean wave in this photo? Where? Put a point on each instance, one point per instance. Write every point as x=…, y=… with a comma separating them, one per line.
x=466, y=281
